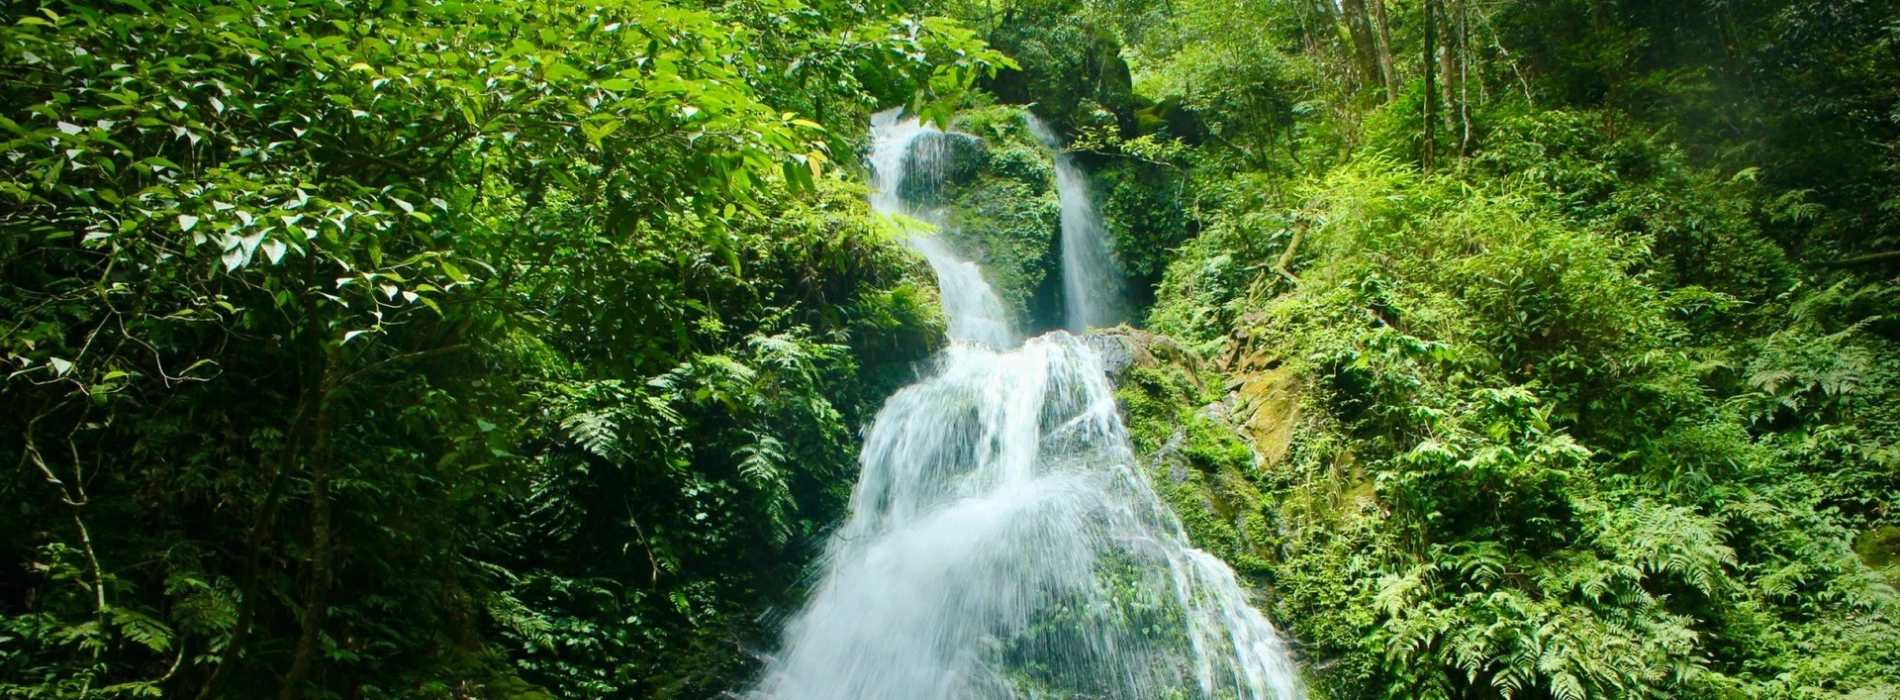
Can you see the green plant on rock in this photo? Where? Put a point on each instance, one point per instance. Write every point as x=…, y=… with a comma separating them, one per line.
x=1514, y=470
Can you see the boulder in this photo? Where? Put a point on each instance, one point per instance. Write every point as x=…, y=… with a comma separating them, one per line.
x=940, y=162
x=1125, y=347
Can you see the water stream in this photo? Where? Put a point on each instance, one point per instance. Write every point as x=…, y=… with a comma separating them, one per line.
x=1091, y=281
x=974, y=312
x=1002, y=541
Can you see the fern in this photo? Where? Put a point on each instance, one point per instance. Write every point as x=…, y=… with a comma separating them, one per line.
x=1669, y=540
x=594, y=431
x=761, y=464
x=142, y=629
x=530, y=627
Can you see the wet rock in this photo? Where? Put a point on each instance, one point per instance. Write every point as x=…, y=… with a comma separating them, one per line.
x=1125, y=347
x=941, y=161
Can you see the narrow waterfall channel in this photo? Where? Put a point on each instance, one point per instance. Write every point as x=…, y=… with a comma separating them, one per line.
x=1002, y=541
x=1092, y=295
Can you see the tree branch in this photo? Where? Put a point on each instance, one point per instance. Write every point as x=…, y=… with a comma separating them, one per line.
x=1864, y=259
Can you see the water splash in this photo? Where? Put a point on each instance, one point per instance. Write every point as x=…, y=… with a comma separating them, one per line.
x=1003, y=544
x=1092, y=287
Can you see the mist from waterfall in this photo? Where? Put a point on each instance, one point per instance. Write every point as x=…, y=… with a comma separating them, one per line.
x=1092, y=286
x=1002, y=542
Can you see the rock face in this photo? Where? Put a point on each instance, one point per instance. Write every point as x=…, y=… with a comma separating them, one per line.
x=1207, y=437
x=1259, y=399
x=1265, y=397
x=957, y=159
x=1124, y=347
x=992, y=187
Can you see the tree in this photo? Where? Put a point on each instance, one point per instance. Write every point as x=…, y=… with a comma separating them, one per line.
x=284, y=276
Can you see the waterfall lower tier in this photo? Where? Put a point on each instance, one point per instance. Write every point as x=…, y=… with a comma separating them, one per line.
x=1003, y=543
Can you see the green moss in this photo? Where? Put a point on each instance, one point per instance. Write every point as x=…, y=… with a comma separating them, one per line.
x=1004, y=213
x=1009, y=227
x=1143, y=207
x=1197, y=462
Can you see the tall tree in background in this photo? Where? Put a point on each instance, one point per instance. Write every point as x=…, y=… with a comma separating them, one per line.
x=1429, y=17
x=1364, y=42
x=1387, y=66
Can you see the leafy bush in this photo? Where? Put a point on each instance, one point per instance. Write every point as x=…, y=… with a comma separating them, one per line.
x=433, y=349
x=1547, y=489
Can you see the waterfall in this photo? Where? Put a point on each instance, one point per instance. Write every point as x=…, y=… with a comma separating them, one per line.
x=974, y=312
x=1004, y=544
x=1091, y=282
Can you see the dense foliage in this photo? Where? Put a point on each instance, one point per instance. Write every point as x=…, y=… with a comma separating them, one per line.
x=1533, y=349
x=428, y=349
x=1522, y=469
x=513, y=348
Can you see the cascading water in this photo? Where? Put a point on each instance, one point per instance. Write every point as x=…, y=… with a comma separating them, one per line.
x=1091, y=282
x=973, y=310
x=1002, y=542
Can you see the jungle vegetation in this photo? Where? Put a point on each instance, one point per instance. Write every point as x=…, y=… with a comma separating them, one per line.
x=520, y=349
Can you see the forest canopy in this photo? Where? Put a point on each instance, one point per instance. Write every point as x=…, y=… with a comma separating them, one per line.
x=521, y=349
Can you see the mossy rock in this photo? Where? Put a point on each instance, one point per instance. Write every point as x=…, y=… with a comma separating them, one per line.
x=959, y=159
x=1013, y=152
x=994, y=192
x=1879, y=549
x=1143, y=206
x=1193, y=445
x=513, y=688
x=1009, y=228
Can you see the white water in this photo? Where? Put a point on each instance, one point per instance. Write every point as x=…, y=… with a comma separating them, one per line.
x=1002, y=542
x=1091, y=281
x=973, y=310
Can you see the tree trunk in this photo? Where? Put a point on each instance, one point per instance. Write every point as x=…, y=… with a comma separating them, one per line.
x=322, y=561
x=305, y=423
x=1364, y=42
x=1448, y=58
x=1431, y=87
x=289, y=459
x=1464, y=78
x=1889, y=256
x=1386, y=65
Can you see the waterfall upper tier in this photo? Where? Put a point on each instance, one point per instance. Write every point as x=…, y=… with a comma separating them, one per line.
x=1092, y=286
x=971, y=307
